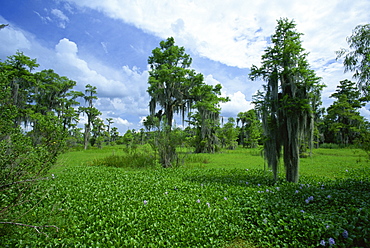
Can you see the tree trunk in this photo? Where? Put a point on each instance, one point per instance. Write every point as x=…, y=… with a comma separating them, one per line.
x=86, y=136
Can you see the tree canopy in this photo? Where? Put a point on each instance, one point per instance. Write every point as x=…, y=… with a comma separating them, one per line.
x=357, y=58
x=171, y=80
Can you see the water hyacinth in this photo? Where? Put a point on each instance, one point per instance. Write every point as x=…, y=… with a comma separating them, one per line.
x=322, y=242
x=345, y=234
x=309, y=199
x=145, y=202
x=331, y=241
x=198, y=201
x=208, y=204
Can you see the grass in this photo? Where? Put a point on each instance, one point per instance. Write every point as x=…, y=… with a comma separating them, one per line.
x=220, y=200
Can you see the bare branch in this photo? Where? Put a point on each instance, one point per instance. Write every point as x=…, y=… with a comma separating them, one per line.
x=3, y=187
x=37, y=228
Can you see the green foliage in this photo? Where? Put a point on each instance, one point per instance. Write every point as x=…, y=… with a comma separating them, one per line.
x=41, y=103
x=92, y=113
x=343, y=123
x=178, y=207
x=133, y=158
x=357, y=59
x=251, y=128
x=228, y=134
x=176, y=89
x=206, y=117
x=171, y=80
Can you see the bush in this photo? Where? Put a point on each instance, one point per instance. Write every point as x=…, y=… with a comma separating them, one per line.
x=134, y=158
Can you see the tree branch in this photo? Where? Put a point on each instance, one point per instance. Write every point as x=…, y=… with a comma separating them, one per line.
x=35, y=227
x=3, y=187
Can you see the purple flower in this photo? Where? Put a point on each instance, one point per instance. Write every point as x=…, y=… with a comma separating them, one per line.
x=278, y=188
x=198, y=201
x=225, y=198
x=329, y=196
x=208, y=204
x=145, y=202
x=166, y=193
x=302, y=211
x=246, y=183
x=258, y=185
x=309, y=199
x=345, y=234
x=322, y=242
x=331, y=241
x=296, y=191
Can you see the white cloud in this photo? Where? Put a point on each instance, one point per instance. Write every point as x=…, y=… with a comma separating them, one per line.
x=62, y=18
x=235, y=32
x=59, y=14
x=12, y=39
x=237, y=103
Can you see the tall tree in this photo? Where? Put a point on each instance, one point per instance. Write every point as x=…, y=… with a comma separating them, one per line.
x=206, y=117
x=170, y=83
x=170, y=80
x=286, y=108
x=21, y=80
x=357, y=58
x=90, y=111
x=252, y=129
x=228, y=134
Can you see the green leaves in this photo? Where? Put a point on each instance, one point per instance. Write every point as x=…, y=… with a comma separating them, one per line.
x=357, y=59
x=288, y=105
x=97, y=206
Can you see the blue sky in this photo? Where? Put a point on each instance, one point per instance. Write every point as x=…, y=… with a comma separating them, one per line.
x=107, y=43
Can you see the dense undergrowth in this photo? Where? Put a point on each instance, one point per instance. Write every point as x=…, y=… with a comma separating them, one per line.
x=101, y=206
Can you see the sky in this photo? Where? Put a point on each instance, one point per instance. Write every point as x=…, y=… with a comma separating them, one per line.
x=107, y=44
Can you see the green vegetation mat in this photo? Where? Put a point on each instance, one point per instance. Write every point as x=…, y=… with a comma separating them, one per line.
x=201, y=204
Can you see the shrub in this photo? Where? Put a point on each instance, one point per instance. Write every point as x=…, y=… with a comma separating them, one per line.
x=133, y=158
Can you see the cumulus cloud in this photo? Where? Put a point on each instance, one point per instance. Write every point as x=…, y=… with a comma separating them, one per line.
x=237, y=103
x=236, y=32
x=12, y=39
